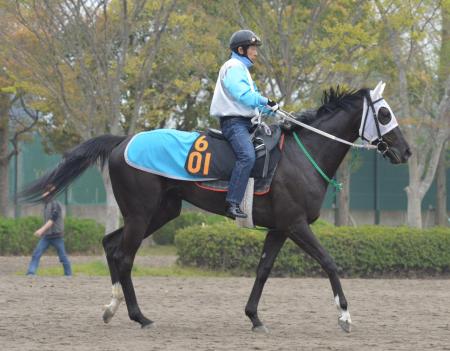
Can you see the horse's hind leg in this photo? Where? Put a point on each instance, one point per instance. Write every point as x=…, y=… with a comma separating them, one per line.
x=133, y=234
x=303, y=236
x=136, y=228
x=110, y=243
x=169, y=209
x=273, y=243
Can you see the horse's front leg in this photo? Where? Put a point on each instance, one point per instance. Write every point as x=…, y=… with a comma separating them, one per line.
x=303, y=236
x=272, y=245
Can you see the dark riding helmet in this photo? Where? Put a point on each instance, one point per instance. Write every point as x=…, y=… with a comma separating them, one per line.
x=244, y=38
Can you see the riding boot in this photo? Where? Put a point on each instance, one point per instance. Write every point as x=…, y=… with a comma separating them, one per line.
x=233, y=211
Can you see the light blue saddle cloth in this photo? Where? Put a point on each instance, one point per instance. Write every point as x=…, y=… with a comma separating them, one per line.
x=162, y=152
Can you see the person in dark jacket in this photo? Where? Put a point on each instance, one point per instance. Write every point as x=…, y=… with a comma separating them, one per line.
x=51, y=233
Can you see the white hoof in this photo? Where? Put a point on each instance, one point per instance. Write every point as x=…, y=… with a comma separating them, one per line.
x=110, y=310
x=260, y=329
x=346, y=325
x=107, y=314
x=344, y=319
x=148, y=326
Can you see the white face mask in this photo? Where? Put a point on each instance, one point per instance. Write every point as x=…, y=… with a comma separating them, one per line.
x=368, y=130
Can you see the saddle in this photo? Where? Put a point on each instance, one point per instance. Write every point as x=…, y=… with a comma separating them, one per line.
x=212, y=156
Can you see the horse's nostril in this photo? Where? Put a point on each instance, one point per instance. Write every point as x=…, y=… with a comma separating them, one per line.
x=408, y=153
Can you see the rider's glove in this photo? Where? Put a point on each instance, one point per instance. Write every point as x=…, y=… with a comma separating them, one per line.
x=273, y=105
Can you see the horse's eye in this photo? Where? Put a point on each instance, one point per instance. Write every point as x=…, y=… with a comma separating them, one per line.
x=384, y=116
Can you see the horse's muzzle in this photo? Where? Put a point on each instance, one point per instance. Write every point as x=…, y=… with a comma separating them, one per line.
x=396, y=157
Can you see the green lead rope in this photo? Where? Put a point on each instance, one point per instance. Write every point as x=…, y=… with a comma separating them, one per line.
x=333, y=182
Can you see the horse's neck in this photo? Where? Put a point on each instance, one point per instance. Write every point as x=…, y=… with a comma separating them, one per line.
x=328, y=153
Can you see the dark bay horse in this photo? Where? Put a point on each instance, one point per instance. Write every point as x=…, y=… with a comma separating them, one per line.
x=148, y=201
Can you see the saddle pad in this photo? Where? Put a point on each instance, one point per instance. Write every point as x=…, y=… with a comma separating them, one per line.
x=212, y=156
x=162, y=152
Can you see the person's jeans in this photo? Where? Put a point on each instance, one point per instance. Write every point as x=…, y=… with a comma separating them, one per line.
x=42, y=246
x=237, y=132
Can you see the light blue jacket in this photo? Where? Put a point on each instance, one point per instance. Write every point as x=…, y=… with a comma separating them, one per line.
x=235, y=93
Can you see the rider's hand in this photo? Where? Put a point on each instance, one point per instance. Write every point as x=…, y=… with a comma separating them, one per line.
x=273, y=105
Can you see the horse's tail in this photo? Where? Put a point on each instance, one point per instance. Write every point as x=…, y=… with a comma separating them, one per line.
x=72, y=165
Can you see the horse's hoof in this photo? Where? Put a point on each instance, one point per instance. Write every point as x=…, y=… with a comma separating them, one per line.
x=147, y=325
x=107, y=315
x=345, y=325
x=260, y=329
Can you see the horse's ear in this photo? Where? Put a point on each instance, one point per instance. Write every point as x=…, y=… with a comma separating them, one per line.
x=377, y=91
x=382, y=89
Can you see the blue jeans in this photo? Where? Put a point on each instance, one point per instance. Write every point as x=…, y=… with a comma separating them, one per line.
x=42, y=246
x=237, y=132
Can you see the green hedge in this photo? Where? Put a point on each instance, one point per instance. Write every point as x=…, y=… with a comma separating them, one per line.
x=166, y=234
x=367, y=251
x=81, y=235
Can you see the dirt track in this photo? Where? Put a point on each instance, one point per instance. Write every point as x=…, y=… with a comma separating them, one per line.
x=41, y=313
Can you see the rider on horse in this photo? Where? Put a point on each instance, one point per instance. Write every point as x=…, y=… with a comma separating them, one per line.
x=235, y=102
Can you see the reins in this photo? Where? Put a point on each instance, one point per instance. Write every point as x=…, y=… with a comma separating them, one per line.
x=287, y=116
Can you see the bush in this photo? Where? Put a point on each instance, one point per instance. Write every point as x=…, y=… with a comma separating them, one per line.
x=16, y=236
x=366, y=251
x=81, y=235
x=166, y=234
x=221, y=246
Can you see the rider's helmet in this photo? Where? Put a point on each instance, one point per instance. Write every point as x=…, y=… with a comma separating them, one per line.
x=244, y=38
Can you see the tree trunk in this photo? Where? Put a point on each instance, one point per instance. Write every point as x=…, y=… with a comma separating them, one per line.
x=441, y=190
x=414, y=213
x=111, y=221
x=342, y=214
x=444, y=71
x=4, y=135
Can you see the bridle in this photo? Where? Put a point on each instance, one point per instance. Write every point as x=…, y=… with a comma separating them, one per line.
x=381, y=145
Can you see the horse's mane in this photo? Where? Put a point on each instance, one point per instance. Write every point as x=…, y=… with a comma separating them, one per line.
x=338, y=98
x=332, y=99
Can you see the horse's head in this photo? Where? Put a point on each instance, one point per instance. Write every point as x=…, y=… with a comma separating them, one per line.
x=379, y=127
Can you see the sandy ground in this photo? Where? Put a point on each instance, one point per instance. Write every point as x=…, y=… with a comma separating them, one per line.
x=58, y=313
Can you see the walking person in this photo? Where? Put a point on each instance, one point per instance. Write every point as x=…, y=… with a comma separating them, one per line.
x=51, y=233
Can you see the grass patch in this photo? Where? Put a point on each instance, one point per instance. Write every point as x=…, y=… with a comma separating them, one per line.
x=98, y=268
x=158, y=250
